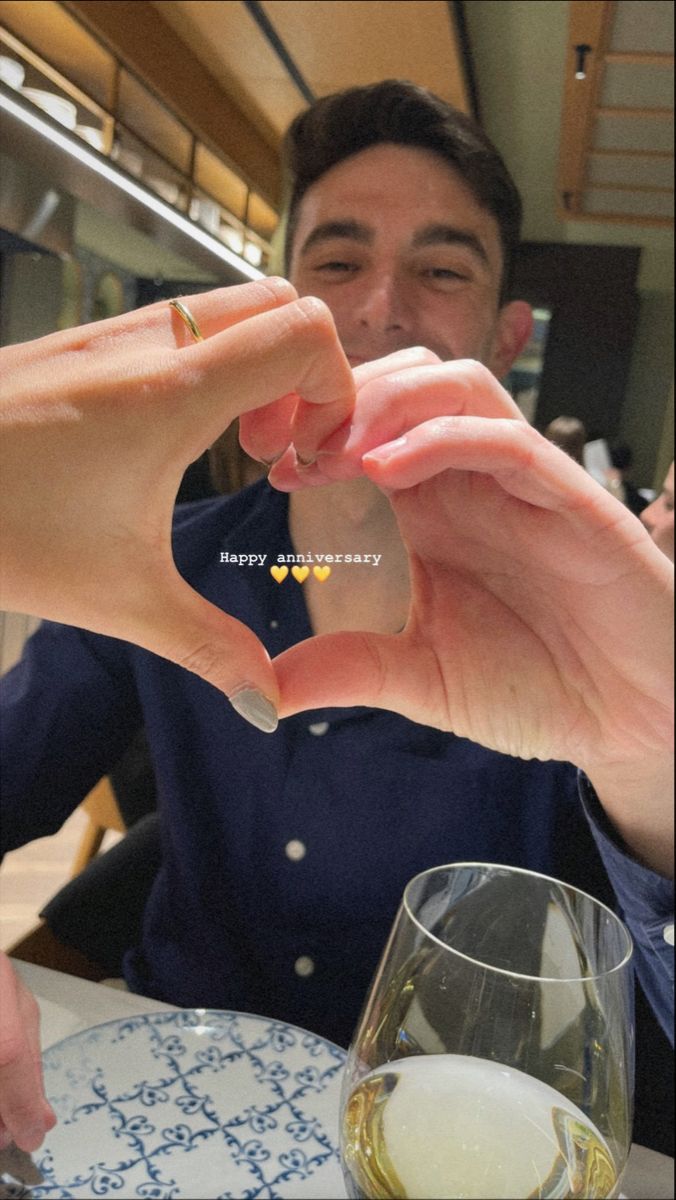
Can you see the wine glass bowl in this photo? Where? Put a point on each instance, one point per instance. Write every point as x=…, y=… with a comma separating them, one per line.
x=494, y=1055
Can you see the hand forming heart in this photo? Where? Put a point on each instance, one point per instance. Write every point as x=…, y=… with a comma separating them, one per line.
x=99, y=424
x=540, y=610
x=540, y=616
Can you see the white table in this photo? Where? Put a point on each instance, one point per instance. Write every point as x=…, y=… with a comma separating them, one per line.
x=68, y=1005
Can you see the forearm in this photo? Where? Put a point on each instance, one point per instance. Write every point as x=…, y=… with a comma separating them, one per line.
x=639, y=802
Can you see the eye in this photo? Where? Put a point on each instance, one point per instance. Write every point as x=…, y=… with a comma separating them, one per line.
x=444, y=278
x=443, y=273
x=337, y=266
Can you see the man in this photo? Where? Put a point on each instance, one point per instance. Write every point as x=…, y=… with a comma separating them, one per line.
x=285, y=856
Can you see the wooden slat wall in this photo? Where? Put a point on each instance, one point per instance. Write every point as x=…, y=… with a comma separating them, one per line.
x=589, y=25
x=592, y=24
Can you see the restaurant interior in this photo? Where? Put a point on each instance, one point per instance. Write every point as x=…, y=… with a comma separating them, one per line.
x=140, y=159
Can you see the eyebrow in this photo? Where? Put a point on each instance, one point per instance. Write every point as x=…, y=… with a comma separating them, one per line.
x=449, y=235
x=353, y=230
x=431, y=235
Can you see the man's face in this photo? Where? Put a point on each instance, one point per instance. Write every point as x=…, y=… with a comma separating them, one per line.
x=658, y=517
x=395, y=244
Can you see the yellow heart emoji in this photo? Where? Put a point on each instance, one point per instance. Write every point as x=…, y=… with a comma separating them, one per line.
x=279, y=573
x=321, y=573
x=300, y=573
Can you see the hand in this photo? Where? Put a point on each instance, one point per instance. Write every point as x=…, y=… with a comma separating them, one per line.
x=540, y=616
x=25, y=1115
x=99, y=424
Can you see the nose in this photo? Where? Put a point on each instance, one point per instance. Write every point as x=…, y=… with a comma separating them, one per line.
x=381, y=306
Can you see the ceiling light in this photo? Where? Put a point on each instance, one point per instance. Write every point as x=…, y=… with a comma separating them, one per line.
x=581, y=53
x=57, y=107
x=12, y=72
x=89, y=133
x=253, y=254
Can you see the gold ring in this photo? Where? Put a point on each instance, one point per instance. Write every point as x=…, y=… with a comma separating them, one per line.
x=187, y=318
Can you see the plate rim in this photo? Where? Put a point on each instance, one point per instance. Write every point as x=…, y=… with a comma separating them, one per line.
x=202, y=1012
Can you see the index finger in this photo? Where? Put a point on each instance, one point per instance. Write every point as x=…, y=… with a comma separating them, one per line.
x=222, y=308
x=159, y=324
x=293, y=355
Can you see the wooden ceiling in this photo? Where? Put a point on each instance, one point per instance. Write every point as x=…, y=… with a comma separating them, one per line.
x=272, y=56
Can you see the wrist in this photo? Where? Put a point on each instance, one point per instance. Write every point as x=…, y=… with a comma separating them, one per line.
x=638, y=801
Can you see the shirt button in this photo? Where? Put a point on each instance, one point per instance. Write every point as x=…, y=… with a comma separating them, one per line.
x=303, y=966
x=320, y=728
x=274, y=624
x=668, y=934
x=295, y=850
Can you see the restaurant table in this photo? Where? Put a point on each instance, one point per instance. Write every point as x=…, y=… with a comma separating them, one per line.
x=69, y=1005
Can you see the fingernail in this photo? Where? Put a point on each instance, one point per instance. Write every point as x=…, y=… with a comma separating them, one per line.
x=304, y=463
x=382, y=453
x=251, y=704
x=270, y=462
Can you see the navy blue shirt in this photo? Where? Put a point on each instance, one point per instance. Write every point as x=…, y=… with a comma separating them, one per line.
x=284, y=855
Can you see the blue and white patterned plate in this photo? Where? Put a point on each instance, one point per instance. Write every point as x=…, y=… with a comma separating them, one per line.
x=195, y=1104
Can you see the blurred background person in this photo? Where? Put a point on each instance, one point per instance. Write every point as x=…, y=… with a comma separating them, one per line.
x=619, y=479
x=570, y=435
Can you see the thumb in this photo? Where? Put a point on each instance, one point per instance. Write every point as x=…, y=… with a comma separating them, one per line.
x=346, y=669
x=196, y=635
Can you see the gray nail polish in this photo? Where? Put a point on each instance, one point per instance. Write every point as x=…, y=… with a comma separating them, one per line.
x=19, y=1163
x=251, y=704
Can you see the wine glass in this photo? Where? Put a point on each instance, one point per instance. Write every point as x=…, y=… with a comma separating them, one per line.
x=494, y=1055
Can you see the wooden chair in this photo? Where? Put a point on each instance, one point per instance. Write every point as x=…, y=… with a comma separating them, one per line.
x=40, y=945
x=102, y=810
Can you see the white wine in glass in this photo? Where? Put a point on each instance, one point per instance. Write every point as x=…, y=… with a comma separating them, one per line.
x=494, y=1056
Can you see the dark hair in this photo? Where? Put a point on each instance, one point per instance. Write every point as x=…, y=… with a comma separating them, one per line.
x=569, y=434
x=338, y=126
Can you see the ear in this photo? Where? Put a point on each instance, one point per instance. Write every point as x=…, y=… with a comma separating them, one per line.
x=512, y=331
